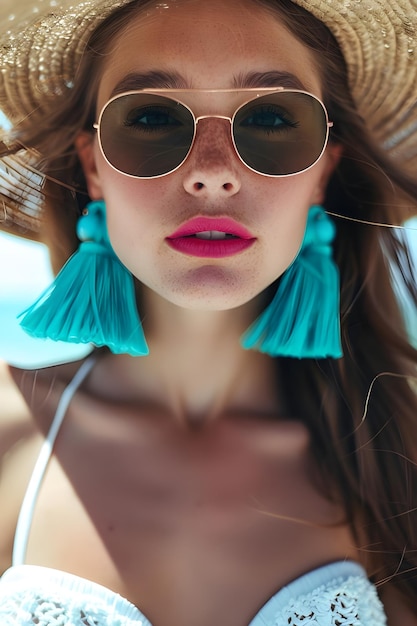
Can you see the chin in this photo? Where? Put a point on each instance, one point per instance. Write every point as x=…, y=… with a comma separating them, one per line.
x=208, y=288
x=210, y=298
x=206, y=302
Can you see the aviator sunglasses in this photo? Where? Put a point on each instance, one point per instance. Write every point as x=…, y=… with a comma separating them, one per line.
x=275, y=132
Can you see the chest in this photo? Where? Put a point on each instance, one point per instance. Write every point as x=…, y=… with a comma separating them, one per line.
x=147, y=509
x=137, y=471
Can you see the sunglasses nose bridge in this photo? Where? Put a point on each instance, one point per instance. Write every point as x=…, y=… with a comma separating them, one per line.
x=204, y=118
x=217, y=117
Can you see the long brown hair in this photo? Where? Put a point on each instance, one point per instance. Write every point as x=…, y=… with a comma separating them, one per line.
x=361, y=410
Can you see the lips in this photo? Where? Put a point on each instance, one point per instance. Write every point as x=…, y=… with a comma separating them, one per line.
x=211, y=238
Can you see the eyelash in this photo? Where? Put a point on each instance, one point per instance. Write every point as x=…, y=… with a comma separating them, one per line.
x=287, y=122
x=252, y=120
x=134, y=123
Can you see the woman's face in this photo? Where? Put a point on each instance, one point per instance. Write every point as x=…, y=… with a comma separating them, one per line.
x=207, y=45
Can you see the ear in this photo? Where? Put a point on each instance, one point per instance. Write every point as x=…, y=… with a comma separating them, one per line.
x=85, y=146
x=331, y=159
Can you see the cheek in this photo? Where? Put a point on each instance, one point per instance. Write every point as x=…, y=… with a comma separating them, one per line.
x=126, y=235
x=130, y=216
x=284, y=242
x=285, y=208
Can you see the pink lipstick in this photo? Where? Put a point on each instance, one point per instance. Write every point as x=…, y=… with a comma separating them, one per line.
x=211, y=237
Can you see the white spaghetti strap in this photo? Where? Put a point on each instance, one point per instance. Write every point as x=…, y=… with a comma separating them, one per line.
x=29, y=501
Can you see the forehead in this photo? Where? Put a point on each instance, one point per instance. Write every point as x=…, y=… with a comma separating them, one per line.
x=208, y=45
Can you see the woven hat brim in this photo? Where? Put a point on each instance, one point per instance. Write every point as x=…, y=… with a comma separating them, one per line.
x=378, y=39
x=39, y=54
x=21, y=195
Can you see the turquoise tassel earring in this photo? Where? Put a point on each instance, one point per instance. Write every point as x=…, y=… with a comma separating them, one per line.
x=92, y=299
x=303, y=319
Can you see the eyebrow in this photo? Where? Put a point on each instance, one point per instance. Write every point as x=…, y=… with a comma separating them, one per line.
x=273, y=78
x=171, y=80
x=149, y=80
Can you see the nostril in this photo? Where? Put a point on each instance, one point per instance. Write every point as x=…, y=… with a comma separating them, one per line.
x=228, y=188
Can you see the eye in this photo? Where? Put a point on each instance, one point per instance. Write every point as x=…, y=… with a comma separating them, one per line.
x=269, y=118
x=152, y=119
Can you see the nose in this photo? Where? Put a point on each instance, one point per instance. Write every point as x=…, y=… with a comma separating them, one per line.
x=212, y=167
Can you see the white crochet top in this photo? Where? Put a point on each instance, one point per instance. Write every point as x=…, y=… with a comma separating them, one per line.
x=338, y=594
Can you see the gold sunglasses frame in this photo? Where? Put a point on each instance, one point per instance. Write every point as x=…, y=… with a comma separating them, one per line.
x=257, y=93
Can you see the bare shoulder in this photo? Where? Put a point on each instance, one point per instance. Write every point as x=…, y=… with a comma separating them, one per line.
x=11, y=399
x=28, y=402
x=18, y=435
x=14, y=412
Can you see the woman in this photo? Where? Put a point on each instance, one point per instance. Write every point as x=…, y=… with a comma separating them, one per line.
x=199, y=481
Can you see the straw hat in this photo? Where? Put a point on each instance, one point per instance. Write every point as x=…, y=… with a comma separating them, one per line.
x=42, y=42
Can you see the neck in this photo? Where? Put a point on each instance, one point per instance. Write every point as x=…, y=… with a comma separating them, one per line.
x=197, y=369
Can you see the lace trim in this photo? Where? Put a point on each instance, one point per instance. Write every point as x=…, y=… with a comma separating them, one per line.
x=356, y=604
x=351, y=601
x=52, y=613
x=31, y=595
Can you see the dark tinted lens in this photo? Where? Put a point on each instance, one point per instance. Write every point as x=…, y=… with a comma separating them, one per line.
x=146, y=135
x=280, y=134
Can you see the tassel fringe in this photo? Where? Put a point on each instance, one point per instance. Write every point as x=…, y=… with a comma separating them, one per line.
x=303, y=319
x=92, y=300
